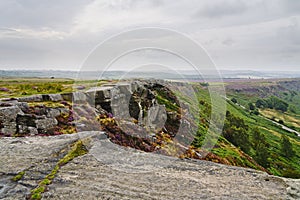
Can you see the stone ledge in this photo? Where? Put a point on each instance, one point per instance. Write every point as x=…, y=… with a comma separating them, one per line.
x=111, y=171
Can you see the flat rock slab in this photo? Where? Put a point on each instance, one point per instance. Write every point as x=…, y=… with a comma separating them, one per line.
x=109, y=171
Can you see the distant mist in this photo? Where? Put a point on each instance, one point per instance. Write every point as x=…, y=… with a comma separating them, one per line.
x=180, y=75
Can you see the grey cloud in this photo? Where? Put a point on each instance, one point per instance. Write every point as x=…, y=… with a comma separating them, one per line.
x=40, y=13
x=290, y=34
x=218, y=9
x=130, y=4
x=292, y=6
x=7, y=31
x=235, y=32
x=228, y=41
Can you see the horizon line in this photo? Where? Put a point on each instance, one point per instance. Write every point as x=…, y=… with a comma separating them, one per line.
x=120, y=70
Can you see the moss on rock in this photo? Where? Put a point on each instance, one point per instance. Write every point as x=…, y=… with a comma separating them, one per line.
x=77, y=149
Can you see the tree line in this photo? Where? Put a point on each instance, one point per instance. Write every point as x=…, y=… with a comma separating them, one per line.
x=241, y=135
x=272, y=103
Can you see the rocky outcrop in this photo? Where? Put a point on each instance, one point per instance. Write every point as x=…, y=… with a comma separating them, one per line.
x=126, y=101
x=21, y=119
x=109, y=171
x=136, y=115
x=8, y=116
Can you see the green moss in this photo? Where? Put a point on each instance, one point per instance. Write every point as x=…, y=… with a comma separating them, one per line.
x=19, y=176
x=54, y=171
x=48, y=104
x=36, y=193
x=77, y=149
x=67, y=130
x=46, y=181
x=169, y=105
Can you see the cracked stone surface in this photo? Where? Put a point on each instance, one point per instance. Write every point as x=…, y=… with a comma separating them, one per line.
x=109, y=171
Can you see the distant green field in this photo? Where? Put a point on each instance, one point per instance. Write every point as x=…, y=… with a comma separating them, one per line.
x=24, y=87
x=17, y=87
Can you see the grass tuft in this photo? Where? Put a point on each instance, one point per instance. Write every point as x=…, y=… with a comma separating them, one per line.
x=77, y=149
x=19, y=176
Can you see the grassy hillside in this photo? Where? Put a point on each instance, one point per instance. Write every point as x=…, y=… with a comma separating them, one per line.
x=285, y=90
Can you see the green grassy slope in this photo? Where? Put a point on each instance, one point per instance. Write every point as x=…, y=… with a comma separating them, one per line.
x=279, y=164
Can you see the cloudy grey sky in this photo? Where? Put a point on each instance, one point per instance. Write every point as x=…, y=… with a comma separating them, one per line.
x=237, y=34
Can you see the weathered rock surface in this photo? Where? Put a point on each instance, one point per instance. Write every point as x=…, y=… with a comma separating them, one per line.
x=8, y=117
x=109, y=171
x=127, y=100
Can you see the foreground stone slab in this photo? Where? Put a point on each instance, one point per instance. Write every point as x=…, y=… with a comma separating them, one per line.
x=109, y=171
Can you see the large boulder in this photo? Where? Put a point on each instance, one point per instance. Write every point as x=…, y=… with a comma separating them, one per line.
x=23, y=106
x=26, y=120
x=100, y=97
x=120, y=105
x=100, y=93
x=26, y=124
x=30, y=124
x=80, y=97
x=54, y=112
x=8, y=116
x=46, y=125
x=27, y=130
x=157, y=117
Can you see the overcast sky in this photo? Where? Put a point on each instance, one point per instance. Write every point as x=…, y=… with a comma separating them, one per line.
x=237, y=34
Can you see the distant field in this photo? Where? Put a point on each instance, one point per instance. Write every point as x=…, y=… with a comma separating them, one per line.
x=17, y=87
x=22, y=87
x=289, y=119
